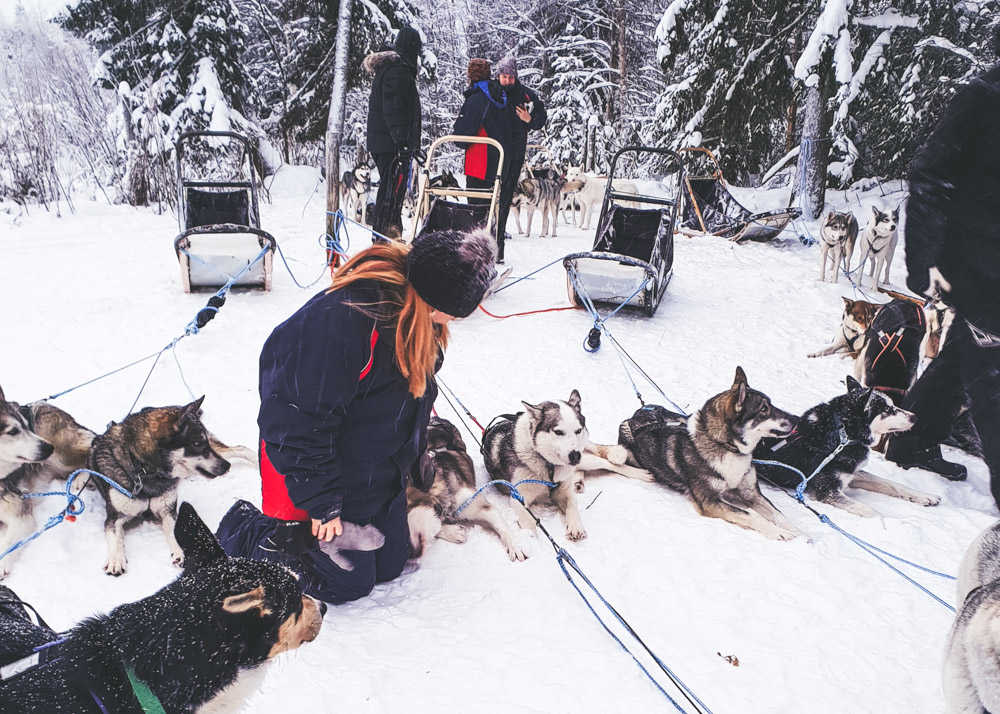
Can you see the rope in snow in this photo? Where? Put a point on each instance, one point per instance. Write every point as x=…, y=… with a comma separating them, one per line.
x=74, y=506
x=872, y=550
x=564, y=559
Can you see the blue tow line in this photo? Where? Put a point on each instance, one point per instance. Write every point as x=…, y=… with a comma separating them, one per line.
x=514, y=493
x=74, y=506
x=872, y=550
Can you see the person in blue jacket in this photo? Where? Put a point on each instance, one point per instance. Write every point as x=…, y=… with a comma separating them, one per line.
x=482, y=114
x=346, y=390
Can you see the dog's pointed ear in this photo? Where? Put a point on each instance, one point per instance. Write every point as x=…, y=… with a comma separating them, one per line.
x=195, y=539
x=245, y=602
x=740, y=387
x=868, y=396
x=847, y=302
x=875, y=211
x=2, y=397
x=574, y=400
x=853, y=385
x=192, y=410
x=534, y=411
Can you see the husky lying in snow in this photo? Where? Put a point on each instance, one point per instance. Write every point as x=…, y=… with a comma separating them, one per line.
x=836, y=241
x=972, y=656
x=878, y=245
x=864, y=415
x=198, y=644
x=146, y=454
x=38, y=443
x=708, y=456
x=452, y=478
x=549, y=441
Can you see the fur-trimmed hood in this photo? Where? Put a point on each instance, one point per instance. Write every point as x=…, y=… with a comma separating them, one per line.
x=376, y=60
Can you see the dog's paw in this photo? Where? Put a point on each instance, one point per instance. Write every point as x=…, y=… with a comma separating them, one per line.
x=575, y=531
x=115, y=565
x=177, y=558
x=785, y=534
x=4, y=572
x=928, y=500
x=516, y=553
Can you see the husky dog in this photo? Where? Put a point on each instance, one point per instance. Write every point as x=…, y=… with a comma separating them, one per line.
x=972, y=656
x=550, y=442
x=197, y=644
x=452, y=481
x=38, y=443
x=708, y=456
x=591, y=192
x=861, y=416
x=355, y=185
x=568, y=203
x=542, y=192
x=146, y=454
x=878, y=245
x=852, y=336
x=836, y=239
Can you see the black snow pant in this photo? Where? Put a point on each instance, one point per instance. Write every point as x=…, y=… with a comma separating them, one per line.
x=963, y=371
x=508, y=182
x=386, y=215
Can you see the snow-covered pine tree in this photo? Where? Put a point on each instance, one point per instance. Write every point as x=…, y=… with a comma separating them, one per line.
x=728, y=79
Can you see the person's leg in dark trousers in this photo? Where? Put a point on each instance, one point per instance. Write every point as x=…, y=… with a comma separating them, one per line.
x=936, y=399
x=380, y=220
x=477, y=183
x=981, y=377
x=511, y=173
x=391, y=557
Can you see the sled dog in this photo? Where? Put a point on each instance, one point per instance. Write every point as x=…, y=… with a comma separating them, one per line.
x=878, y=245
x=355, y=185
x=591, y=191
x=836, y=241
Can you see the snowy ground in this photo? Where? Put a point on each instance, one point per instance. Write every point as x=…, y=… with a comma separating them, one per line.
x=817, y=625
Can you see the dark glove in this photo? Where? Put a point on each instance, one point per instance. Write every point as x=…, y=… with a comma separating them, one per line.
x=293, y=537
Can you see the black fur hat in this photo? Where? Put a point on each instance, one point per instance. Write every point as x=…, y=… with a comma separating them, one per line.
x=452, y=270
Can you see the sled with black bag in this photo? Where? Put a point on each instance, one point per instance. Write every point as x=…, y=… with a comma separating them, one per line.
x=437, y=208
x=709, y=207
x=218, y=212
x=632, y=260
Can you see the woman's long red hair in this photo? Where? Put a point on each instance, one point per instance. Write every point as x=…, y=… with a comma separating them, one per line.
x=418, y=338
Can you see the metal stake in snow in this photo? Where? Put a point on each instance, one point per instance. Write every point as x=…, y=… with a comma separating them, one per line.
x=335, y=119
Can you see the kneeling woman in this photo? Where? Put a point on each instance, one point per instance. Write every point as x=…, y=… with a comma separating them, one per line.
x=346, y=390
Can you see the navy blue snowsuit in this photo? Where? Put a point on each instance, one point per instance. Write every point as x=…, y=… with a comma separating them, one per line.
x=340, y=434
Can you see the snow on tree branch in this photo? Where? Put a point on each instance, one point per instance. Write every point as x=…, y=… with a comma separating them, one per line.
x=832, y=20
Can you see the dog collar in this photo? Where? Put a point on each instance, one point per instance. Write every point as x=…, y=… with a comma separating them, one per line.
x=149, y=702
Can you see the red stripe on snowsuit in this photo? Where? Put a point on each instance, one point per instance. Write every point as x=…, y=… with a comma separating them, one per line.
x=275, y=501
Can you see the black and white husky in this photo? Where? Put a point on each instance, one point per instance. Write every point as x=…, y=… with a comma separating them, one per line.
x=355, y=185
x=541, y=192
x=549, y=441
x=972, y=657
x=861, y=416
x=878, y=245
x=709, y=456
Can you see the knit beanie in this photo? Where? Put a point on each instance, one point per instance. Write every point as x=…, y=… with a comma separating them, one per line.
x=479, y=69
x=508, y=65
x=452, y=270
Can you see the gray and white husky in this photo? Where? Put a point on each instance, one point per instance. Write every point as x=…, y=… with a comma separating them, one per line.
x=451, y=481
x=355, y=185
x=878, y=245
x=837, y=238
x=709, y=456
x=972, y=657
x=38, y=443
x=550, y=442
x=542, y=193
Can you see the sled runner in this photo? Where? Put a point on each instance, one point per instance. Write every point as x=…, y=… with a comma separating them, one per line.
x=709, y=207
x=634, y=245
x=435, y=212
x=218, y=212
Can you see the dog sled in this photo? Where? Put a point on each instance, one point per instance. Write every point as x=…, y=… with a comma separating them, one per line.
x=633, y=255
x=709, y=207
x=434, y=210
x=219, y=213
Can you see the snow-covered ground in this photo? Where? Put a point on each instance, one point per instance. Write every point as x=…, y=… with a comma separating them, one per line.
x=816, y=624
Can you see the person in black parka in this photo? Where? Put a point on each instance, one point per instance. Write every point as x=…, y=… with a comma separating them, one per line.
x=482, y=114
x=346, y=390
x=525, y=112
x=393, y=118
x=953, y=249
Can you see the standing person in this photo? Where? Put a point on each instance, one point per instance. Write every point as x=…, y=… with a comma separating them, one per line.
x=346, y=389
x=525, y=112
x=393, y=124
x=953, y=248
x=482, y=114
